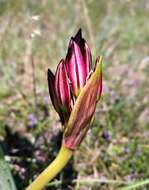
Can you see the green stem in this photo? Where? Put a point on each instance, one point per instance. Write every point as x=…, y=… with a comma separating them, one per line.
x=52, y=170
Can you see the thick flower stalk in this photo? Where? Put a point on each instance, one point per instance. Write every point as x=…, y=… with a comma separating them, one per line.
x=75, y=90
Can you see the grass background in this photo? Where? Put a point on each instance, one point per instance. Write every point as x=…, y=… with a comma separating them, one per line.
x=34, y=36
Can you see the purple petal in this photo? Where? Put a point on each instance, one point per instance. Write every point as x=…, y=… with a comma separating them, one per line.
x=75, y=67
x=62, y=87
x=85, y=50
x=51, y=79
x=80, y=42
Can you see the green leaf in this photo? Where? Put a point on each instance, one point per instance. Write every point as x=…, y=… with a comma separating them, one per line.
x=136, y=185
x=6, y=179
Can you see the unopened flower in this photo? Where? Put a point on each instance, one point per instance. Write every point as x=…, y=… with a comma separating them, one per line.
x=83, y=110
x=78, y=62
x=75, y=89
x=59, y=90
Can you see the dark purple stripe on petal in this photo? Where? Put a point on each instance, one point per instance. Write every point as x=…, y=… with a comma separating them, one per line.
x=51, y=79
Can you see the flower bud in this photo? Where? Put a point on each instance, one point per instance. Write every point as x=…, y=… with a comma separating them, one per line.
x=75, y=90
x=83, y=110
x=59, y=90
x=78, y=62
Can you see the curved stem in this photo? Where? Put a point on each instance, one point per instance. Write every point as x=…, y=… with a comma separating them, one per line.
x=52, y=170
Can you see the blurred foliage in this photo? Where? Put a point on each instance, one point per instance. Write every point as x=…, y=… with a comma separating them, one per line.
x=6, y=180
x=34, y=36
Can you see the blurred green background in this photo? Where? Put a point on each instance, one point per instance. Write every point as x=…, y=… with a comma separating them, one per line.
x=34, y=36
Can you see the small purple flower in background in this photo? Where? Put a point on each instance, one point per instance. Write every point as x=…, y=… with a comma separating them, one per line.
x=40, y=156
x=46, y=99
x=107, y=135
x=21, y=171
x=129, y=178
x=32, y=120
x=126, y=150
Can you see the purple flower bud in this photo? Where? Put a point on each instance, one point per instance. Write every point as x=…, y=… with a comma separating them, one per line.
x=83, y=110
x=78, y=62
x=62, y=88
x=75, y=90
x=59, y=90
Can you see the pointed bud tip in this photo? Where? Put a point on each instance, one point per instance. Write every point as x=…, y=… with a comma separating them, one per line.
x=78, y=35
x=98, y=63
x=61, y=63
x=60, y=66
x=49, y=71
x=79, y=32
x=50, y=75
x=99, y=59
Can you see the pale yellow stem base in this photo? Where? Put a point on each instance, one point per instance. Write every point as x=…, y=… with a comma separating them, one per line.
x=52, y=170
